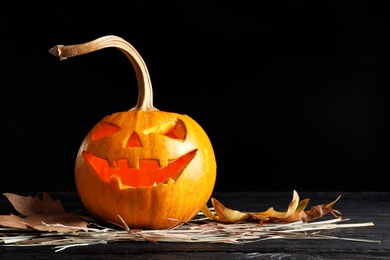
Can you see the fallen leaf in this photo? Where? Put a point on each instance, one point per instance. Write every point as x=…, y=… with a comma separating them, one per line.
x=272, y=215
x=34, y=205
x=320, y=210
x=43, y=215
x=295, y=212
x=226, y=215
x=11, y=221
x=207, y=212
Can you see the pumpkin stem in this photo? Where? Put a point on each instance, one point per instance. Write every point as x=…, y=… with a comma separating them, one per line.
x=145, y=92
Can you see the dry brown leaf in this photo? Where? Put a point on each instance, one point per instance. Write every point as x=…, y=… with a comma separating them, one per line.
x=28, y=206
x=226, y=215
x=44, y=215
x=272, y=215
x=295, y=212
x=207, y=212
x=11, y=221
x=320, y=210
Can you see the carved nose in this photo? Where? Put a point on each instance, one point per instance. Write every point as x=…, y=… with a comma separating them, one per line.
x=134, y=140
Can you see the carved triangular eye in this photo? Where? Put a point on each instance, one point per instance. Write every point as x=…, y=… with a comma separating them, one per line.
x=134, y=140
x=103, y=129
x=174, y=128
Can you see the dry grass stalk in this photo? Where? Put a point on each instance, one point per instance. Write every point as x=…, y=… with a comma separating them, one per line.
x=196, y=231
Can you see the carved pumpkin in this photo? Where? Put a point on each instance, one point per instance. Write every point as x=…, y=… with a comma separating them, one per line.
x=149, y=168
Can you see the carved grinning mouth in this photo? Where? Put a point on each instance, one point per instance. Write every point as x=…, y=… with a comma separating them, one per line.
x=149, y=172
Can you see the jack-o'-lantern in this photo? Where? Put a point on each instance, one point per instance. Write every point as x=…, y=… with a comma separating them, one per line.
x=148, y=168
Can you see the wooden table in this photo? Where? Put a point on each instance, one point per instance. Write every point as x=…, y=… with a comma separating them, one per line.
x=357, y=207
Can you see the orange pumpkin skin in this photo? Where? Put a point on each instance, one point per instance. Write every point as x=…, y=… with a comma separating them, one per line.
x=162, y=169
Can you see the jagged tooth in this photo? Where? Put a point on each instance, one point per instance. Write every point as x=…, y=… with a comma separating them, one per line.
x=169, y=180
x=116, y=181
x=133, y=162
x=163, y=162
x=111, y=163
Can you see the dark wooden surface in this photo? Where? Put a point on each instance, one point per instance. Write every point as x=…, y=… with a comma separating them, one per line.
x=359, y=207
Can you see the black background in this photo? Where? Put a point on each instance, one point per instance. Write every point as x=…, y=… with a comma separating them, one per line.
x=293, y=94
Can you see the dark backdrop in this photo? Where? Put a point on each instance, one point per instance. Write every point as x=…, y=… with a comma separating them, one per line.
x=293, y=94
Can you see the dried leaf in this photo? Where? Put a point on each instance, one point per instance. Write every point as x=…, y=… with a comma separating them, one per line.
x=43, y=215
x=35, y=206
x=226, y=215
x=320, y=210
x=11, y=221
x=295, y=212
x=275, y=216
x=207, y=212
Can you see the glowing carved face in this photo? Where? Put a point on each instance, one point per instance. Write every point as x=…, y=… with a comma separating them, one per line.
x=146, y=171
x=145, y=163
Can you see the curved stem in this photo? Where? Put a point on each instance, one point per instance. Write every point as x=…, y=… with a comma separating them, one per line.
x=145, y=92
